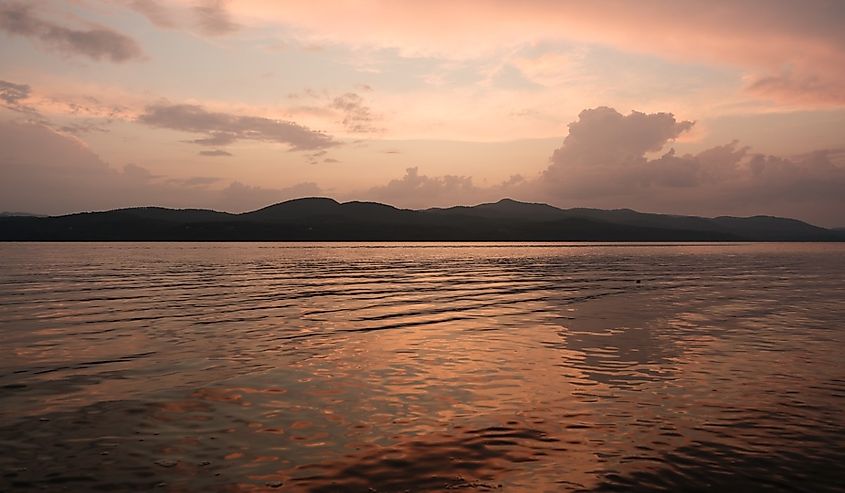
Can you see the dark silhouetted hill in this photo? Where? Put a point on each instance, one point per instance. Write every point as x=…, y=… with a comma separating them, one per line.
x=19, y=214
x=325, y=219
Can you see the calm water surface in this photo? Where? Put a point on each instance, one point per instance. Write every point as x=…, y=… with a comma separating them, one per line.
x=390, y=368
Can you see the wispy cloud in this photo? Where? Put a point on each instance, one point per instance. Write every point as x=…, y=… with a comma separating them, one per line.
x=154, y=11
x=758, y=37
x=215, y=153
x=357, y=116
x=213, y=18
x=47, y=172
x=224, y=128
x=12, y=96
x=96, y=42
x=792, y=87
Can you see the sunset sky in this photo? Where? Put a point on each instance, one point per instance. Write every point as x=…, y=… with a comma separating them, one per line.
x=690, y=107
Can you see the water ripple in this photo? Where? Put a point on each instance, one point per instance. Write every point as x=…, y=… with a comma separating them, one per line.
x=430, y=367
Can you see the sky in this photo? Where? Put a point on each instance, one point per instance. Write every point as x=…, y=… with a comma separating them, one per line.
x=684, y=107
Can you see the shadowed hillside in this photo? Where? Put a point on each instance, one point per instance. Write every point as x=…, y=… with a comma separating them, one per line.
x=325, y=219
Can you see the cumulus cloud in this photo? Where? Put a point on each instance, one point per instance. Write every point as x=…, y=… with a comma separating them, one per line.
x=95, y=42
x=415, y=190
x=609, y=160
x=357, y=117
x=603, y=163
x=224, y=128
x=213, y=18
x=43, y=171
x=603, y=136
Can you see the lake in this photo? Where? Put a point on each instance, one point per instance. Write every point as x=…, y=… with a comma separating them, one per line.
x=422, y=367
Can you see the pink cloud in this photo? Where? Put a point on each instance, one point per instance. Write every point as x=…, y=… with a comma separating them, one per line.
x=619, y=138
x=806, y=89
x=604, y=163
x=92, y=41
x=44, y=171
x=760, y=37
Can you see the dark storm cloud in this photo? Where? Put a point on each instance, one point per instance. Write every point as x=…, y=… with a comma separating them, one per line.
x=95, y=42
x=224, y=128
x=213, y=19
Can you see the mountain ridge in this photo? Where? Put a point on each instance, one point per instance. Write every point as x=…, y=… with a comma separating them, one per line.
x=326, y=219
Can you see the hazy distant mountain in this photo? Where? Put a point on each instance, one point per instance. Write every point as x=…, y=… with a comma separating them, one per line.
x=325, y=219
x=19, y=214
x=759, y=228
